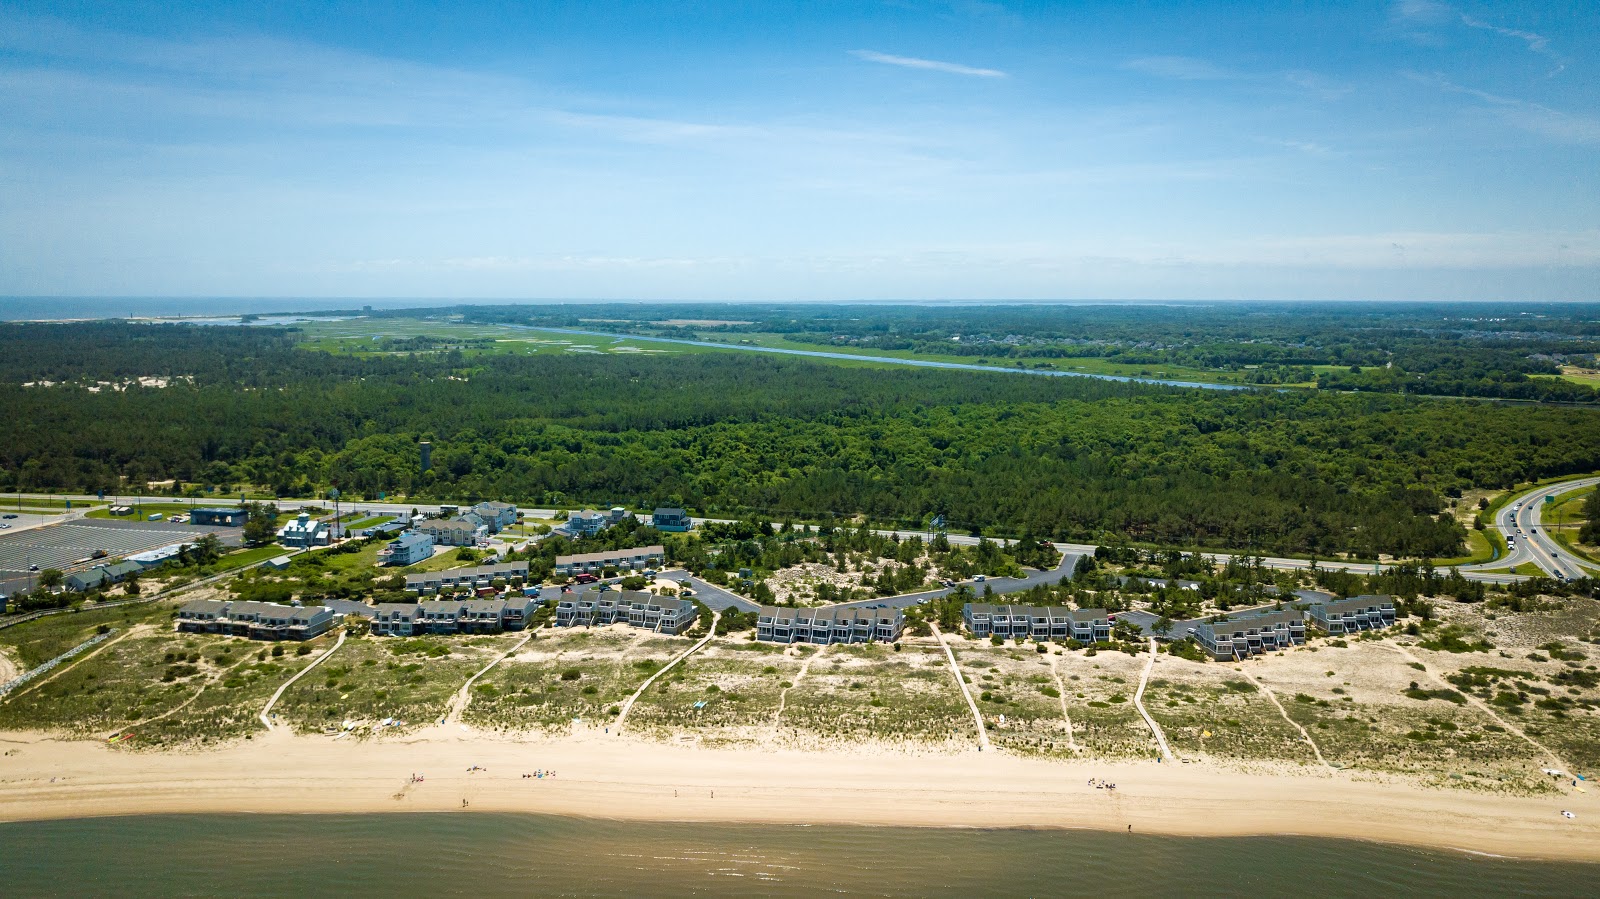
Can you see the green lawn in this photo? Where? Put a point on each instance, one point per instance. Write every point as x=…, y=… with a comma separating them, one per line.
x=31, y=503
x=1481, y=547
x=247, y=557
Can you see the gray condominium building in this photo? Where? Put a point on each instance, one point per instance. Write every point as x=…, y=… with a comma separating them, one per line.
x=1239, y=635
x=256, y=620
x=590, y=608
x=456, y=616
x=830, y=624
x=466, y=578
x=1039, y=622
x=1358, y=613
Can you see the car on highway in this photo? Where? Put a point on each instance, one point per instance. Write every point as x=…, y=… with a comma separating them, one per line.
x=4, y=526
x=11, y=515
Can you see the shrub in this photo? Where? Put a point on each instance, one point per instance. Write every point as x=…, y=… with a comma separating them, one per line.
x=571, y=674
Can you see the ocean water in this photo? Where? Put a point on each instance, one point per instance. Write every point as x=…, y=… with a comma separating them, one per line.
x=476, y=855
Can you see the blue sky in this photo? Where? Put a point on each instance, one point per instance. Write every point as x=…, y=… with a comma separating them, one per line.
x=773, y=150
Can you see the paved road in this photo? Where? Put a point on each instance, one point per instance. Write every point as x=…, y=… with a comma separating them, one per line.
x=1472, y=572
x=1520, y=519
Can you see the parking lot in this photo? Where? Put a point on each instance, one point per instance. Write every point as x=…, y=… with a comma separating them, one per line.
x=64, y=545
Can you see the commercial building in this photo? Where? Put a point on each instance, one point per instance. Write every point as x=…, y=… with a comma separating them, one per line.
x=407, y=549
x=1239, y=635
x=467, y=578
x=158, y=556
x=304, y=532
x=101, y=575
x=830, y=624
x=587, y=563
x=224, y=517
x=256, y=620
x=1039, y=622
x=590, y=608
x=674, y=520
x=1358, y=613
x=455, y=532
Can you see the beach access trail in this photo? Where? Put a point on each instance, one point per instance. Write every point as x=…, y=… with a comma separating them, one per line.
x=627, y=705
x=961, y=683
x=1138, y=703
x=266, y=711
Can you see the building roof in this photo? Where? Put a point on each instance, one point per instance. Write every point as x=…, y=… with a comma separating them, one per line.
x=455, y=524
x=402, y=610
x=204, y=606
x=498, y=569
x=609, y=555
x=1353, y=604
x=666, y=512
x=122, y=569
x=494, y=507
x=409, y=540
x=222, y=510
x=157, y=555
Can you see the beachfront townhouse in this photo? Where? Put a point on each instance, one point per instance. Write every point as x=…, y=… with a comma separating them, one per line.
x=256, y=620
x=395, y=619
x=1239, y=635
x=1347, y=616
x=1041, y=623
x=439, y=616
x=475, y=578
x=830, y=624
x=597, y=608
x=452, y=616
x=591, y=563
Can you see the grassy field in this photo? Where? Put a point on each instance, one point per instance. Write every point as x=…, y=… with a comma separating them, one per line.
x=568, y=678
x=169, y=688
x=246, y=557
x=35, y=504
x=374, y=337
x=728, y=693
x=872, y=694
x=1481, y=547
x=38, y=641
x=373, y=678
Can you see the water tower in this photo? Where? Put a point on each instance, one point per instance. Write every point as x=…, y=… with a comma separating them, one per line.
x=427, y=455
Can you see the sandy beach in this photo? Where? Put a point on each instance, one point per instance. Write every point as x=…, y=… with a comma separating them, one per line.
x=622, y=778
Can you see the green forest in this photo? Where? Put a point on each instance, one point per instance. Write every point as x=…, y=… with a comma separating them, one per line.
x=744, y=434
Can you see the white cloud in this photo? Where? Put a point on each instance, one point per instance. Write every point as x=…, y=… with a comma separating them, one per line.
x=911, y=62
x=1183, y=68
x=1560, y=126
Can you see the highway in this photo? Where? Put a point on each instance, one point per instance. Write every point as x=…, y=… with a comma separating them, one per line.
x=1520, y=523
